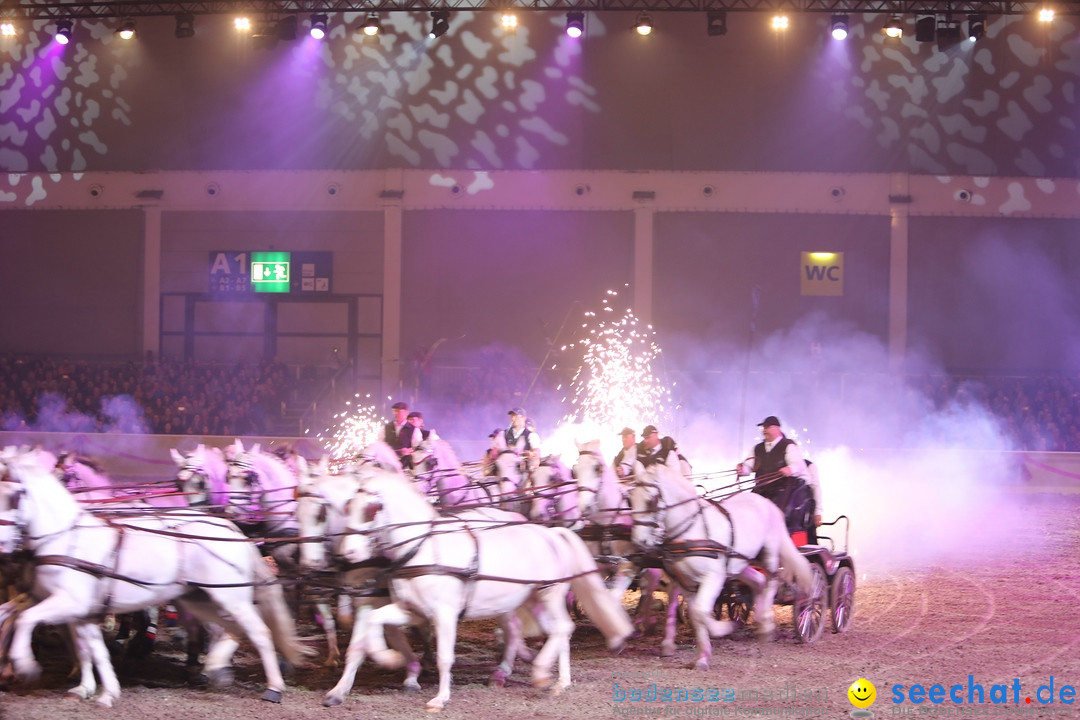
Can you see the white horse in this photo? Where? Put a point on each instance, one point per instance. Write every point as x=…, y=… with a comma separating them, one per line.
x=448, y=569
x=90, y=484
x=604, y=504
x=703, y=543
x=320, y=511
x=512, y=473
x=202, y=476
x=438, y=472
x=262, y=500
x=86, y=566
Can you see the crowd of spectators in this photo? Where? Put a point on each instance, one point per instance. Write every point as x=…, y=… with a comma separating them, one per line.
x=184, y=398
x=166, y=397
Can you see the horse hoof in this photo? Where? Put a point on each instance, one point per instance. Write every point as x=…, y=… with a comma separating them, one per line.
x=105, y=701
x=667, y=650
x=411, y=686
x=220, y=678
x=434, y=708
x=701, y=665
x=542, y=682
x=76, y=695
x=272, y=695
x=497, y=679
x=332, y=701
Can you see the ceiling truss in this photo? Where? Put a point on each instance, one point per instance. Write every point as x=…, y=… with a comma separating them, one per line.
x=145, y=8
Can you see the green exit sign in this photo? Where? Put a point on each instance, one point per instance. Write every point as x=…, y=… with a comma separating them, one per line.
x=270, y=272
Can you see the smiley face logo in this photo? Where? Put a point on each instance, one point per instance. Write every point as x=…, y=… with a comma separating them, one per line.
x=862, y=693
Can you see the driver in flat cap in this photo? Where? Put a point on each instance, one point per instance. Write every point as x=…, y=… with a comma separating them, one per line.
x=520, y=437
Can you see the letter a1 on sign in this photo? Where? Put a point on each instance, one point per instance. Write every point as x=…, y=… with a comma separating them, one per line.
x=822, y=273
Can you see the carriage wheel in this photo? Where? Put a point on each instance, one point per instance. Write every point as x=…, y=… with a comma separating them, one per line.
x=842, y=599
x=809, y=611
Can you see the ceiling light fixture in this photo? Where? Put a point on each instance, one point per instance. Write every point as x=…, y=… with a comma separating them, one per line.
x=63, y=31
x=185, y=26
x=318, y=25
x=126, y=29
x=575, y=23
x=894, y=28
x=372, y=26
x=976, y=27
x=839, y=27
x=440, y=23
x=717, y=23
x=644, y=24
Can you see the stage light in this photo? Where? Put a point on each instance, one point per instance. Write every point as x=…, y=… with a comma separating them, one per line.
x=242, y=24
x=185, y=26
x=508, y=20
x=1046, y=15
x=575, y=23
x=63, y=31
x=7, y=29
x=839, y=26
x=318, y=26
x=644, y=24
x=126, y=29
x=440, y=23
x=780, y=22
x=894, y=28
x=976, y=27
x=717, y=23
x=371, y=25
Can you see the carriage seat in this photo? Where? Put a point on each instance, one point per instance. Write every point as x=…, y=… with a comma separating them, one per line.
x=795, y=498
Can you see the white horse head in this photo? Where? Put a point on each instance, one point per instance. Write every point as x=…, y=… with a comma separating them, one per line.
x=554, y=493
x=261, y=488
x=202, y=476
x=602, y=497
x=381, y=455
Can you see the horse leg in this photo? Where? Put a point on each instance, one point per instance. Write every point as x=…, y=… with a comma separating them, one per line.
x=511, y=627
x=671, y=621
x=333, y=652
x=245, y=615
x=89, y=635
x=396, y=637
x=217, y=666
x=354, y=658
x=705, y=625
x=649, y=580
x=55, y=609
x=764, y=589
x=87, y=686
x=375, y=636
x=558, y=625
x=445, y=622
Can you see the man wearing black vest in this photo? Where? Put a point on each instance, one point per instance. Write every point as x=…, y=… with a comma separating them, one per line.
x=624, y=461
x=654, y=449
x=779, y=471
x=394, y=430
x=519, y=437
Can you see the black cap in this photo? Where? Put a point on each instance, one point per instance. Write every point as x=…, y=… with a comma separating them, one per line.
x=517, y=411
x=399, y=405
x=416, y=413
x=628, y=431
x=649, y=430
x=771, y=420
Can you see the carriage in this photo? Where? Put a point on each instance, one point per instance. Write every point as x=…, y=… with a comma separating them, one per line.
x=831, y=603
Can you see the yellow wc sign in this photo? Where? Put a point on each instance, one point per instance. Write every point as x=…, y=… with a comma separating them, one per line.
x=822, y=273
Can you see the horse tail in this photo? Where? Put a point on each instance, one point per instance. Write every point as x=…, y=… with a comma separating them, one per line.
x=270, y=600
x=603, y=609
x=794, y=567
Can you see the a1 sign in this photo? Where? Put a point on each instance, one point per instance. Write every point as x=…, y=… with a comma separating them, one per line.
x=229, y=272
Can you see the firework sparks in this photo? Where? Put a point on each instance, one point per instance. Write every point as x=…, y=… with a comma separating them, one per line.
x=354, y=429
x=616, y=383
